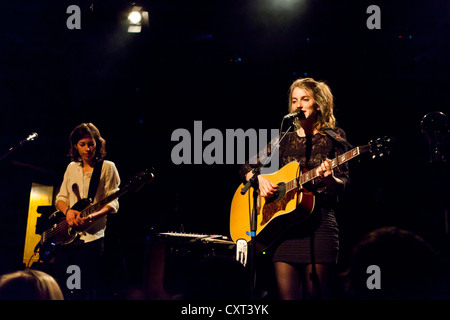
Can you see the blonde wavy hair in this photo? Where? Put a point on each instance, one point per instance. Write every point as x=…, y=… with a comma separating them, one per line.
x=29, y=285
x=323, y=99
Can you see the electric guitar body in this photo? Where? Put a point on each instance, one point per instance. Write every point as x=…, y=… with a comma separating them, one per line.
x=59, y=233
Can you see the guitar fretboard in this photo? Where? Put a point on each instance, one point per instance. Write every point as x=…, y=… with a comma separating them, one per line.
x=312, y=174
x=97, y=206
x=138, y=180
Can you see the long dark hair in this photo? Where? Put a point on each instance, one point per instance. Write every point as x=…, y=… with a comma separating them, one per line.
x=86, y=130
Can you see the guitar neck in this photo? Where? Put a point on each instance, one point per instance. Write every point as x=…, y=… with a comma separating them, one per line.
x=312, y=174
x=138, y=180
x=97, y=206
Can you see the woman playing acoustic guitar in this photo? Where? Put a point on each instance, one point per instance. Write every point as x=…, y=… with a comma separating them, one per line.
x=304, y=259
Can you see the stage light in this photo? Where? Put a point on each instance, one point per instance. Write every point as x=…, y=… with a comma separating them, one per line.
x=286, y=4
x=137, y=18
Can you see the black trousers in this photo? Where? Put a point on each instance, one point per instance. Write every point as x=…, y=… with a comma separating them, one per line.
x=77, y=269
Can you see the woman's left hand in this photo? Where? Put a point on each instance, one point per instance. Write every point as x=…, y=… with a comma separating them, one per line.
x=84, y=222
x=325, y=172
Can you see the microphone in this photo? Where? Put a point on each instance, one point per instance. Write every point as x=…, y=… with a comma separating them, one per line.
x=32, y=136
x=298, y=113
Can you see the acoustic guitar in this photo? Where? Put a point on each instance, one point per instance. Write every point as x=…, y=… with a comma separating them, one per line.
x=292, y=203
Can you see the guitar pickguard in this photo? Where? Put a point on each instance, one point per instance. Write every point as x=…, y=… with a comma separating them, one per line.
x=277, y=204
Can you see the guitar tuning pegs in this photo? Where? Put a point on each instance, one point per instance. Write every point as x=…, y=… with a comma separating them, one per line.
x=380, y=147
x=372, y=149
x=388, y=144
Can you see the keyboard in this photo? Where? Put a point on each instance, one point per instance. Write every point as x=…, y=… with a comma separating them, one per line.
x=200, y=236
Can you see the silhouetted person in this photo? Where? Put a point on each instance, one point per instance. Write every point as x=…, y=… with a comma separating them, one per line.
x=408, y=266
x=29, y=285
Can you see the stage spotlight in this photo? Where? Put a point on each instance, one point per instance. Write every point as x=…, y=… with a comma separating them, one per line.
x=137, y=18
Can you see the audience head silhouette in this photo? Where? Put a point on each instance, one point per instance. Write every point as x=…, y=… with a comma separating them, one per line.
x=29, y=285
x=408, y=266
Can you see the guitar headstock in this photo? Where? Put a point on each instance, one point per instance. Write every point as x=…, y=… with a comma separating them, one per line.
x=380, y=147
x=140, y=179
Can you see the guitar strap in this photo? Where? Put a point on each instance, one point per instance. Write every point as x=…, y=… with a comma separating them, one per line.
x=95, y=178
x=338, y=138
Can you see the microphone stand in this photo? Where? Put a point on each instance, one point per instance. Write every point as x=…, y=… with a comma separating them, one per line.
x=14, y=148
x=253, y=182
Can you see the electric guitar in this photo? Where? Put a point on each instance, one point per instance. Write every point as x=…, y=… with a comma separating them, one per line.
x=60, y=233
x=292, y=204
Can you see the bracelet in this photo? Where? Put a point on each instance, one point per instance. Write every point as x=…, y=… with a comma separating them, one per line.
x=66, y=211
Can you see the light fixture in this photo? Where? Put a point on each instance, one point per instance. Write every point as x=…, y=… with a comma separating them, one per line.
x=137, y=18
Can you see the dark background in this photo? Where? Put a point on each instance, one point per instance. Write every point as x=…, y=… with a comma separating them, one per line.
x=228, y=64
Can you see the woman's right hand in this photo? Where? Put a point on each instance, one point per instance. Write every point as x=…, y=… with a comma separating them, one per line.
x=266, y=188
x=73, y=218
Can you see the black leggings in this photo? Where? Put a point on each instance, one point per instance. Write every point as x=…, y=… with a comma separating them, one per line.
x=88, y=257
x=307, y=282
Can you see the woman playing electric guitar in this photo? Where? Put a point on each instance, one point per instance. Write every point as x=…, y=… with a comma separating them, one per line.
x=87, y=152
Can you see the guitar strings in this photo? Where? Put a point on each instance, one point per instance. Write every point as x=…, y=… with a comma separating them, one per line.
x=57, y=229
x=63, y=224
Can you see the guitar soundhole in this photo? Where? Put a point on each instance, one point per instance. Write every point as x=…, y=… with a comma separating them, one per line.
x=279, y=194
